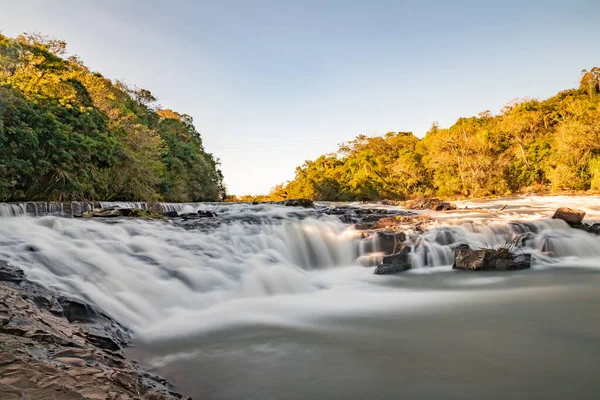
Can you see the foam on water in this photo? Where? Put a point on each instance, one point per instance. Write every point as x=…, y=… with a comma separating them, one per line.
x=285, y=265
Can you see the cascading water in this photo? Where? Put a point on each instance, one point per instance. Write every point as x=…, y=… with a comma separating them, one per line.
x=120, y=267
x=275, y=295
x=124, y=204
x=12, y=210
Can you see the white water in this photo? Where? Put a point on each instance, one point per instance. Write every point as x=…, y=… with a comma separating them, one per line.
x=274, y=303
x=142, y=273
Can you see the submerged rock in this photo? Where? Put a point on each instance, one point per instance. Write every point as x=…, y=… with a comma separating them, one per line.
x=207, y=214
x=388, y=269
x=570, y=215
x=489, y=259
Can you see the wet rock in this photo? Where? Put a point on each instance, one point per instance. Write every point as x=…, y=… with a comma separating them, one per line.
x=299, y=203
x=400, y=258
x=489, y=259
x=100, y=213
x=445, y=207
x=102, y=341
x=570, y=215
x=207, y=214
x=75, y=310
x=389, y=243
x=388, y=269
x=9, y=273
x=424, y=204
x=171, y=214
x=45, y=356
x=594, y=229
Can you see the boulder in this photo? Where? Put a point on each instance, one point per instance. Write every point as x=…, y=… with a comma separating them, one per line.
x=400, y=258
x=388, y=242
x=299, y=203
x=489, y=259
x=9, y=273
x=171, y=214
x=387, y=269
x=595, y=228
x=570, y=215
x=424, y=204
x=445, y=207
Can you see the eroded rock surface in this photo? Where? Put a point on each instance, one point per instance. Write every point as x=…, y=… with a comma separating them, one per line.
x=489, y=259
x=52, y=347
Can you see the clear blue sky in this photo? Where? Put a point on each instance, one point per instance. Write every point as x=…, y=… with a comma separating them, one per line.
x=273, y=83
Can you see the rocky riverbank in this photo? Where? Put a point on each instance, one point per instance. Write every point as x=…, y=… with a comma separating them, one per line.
x=54, y=347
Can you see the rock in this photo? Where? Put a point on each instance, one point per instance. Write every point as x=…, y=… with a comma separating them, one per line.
x=75, y=310
x=400, y=258
x=594, y=229
x=46, y=356
x=387, y=269
x=171, y=214
x=127, y=212
x=102, y=341
x=207, y=214
x=9, y=273
x=388, y=242
x=299, y=203
x=570, y=215
x=424, y=204
x=445, y=207
x=99, y=213
x=489, y=259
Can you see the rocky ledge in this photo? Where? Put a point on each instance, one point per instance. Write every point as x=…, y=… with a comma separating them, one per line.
x=55, y=347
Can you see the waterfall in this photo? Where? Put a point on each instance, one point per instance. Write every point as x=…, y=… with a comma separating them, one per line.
x=121, y=267
x=124, y=204
x=141, y=272
x=12, y=210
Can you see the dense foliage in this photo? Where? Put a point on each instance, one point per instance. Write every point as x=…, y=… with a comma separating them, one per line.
x=529, y=145
x=67, y=133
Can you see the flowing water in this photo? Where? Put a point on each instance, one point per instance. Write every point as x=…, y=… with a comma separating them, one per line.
x=275, y=303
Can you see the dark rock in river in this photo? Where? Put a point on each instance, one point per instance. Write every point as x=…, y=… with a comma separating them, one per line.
x=489, y=259
x=388, y=242
x=595, y=228
x=445, y=207
x=398, y=258
x=9, y=273
x=388, y=269
x=570, y=215
x=299, y=203
x=395, y=263
x=171, y=214
x=207, y=214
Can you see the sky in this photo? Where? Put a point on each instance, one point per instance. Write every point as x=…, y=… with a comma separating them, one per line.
x=272, y=83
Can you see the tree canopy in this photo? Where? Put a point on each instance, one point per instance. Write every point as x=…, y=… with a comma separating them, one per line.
x=531, y=144
x=68, y=133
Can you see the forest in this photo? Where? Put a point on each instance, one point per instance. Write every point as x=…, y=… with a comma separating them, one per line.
x=529, y=146
x=68, y=133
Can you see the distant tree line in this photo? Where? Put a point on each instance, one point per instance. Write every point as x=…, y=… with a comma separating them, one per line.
x=530, y=145
x=68, y=133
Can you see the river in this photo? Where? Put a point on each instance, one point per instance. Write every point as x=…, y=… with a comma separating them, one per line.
x=274, y=302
